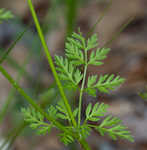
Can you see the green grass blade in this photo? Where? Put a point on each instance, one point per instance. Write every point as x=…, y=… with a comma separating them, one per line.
x=116, y=35
x=12, y=46
x=12, y=92
x=50, y=61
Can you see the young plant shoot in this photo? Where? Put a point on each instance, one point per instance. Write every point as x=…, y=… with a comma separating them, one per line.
x=69, y=71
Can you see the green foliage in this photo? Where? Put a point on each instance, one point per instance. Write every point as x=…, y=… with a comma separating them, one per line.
x=67, y=72
x=96, y=57
x=92, y=42
x=66, y=138
x=113, y=127
x=105, y=84
x=62, y=112
x=97, y=111
x=36, y=120
x=110, y=125
x=84, y=131
x=68, y=68
x=5, y=15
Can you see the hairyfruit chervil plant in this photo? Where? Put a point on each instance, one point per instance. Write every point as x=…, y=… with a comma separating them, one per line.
x=76, y=49
x=68, y=68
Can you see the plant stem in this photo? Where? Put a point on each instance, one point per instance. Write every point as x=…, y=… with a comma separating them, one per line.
x=82, y=88
x=50, y=61
x=12, y=46
x=29, y=99
x=12, y=92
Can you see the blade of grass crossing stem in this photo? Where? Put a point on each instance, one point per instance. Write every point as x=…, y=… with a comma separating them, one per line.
x=99, y=19
x=12, y=46
x=12, y=91
x=118, y=33
x=50, y=61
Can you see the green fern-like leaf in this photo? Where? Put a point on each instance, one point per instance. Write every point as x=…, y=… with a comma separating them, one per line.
x=107, y=83
x=73, y=50
x=68, y=72
x=97, y=57
x=52, y=111
x=66, y=137
x=114, y=128
x=36, y=121
x=65, y=68
x=91, y=90
x=78, y=76
x=92, y=42
x=84, y=131
x=63, y=114
x=104, y=84
x=97, y=111
x=80, y=40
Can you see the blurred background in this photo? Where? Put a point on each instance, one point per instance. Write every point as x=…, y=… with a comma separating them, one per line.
x=122, y=26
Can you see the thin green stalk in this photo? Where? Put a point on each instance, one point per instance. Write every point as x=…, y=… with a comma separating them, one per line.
x=82, y=88
x=50, y=61
x=118, y=33
x=12, y=92
x=6, y=105
x=12, y=46
x=99, y=19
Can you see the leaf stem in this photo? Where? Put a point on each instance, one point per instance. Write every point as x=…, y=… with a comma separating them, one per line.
x=50, y=61
x=82, y=89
